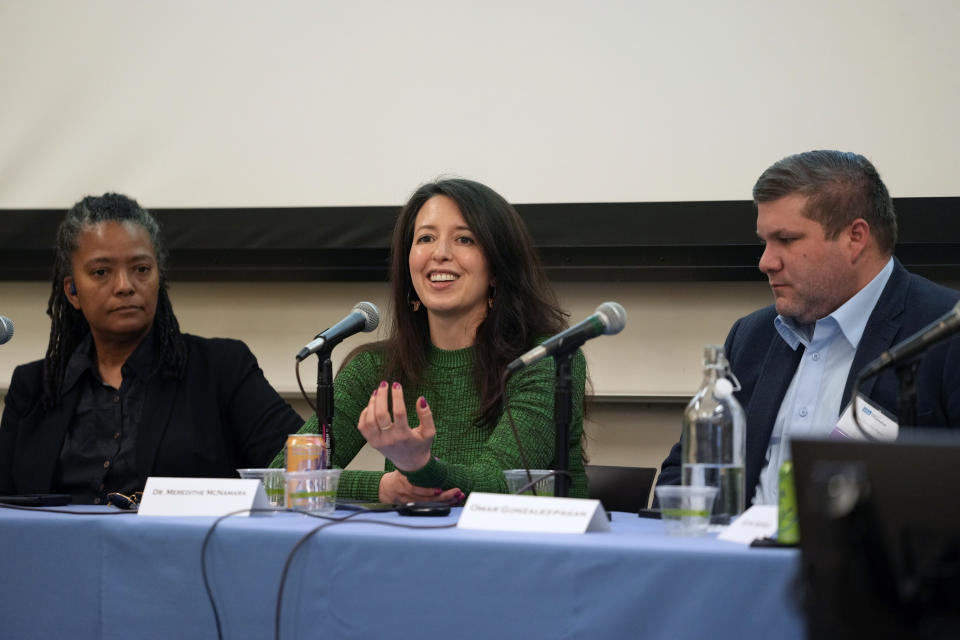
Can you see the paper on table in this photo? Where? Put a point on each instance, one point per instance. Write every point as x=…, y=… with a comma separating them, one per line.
x=759, y=521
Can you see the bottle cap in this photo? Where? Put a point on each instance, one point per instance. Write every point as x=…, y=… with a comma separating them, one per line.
x=722, y=389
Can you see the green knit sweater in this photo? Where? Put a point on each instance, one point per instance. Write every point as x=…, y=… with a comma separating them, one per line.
x=466, y=456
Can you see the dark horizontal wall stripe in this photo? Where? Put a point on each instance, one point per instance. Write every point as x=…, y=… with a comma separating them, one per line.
x=635, y=241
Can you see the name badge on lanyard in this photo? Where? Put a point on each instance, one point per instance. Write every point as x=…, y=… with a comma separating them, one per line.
x=875, y=421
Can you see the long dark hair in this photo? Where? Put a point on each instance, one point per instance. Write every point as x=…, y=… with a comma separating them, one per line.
x=68, y=327
x=524, y=306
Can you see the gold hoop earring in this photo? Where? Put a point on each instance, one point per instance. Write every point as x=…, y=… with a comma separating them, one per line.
x=413, y=301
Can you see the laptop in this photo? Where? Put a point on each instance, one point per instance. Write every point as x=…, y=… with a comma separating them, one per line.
x=880, y=536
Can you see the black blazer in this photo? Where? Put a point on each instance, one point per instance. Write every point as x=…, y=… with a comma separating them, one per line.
x=222, y=415
x=765, y=365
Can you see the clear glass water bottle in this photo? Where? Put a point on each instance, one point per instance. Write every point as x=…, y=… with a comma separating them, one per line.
x=713, y=441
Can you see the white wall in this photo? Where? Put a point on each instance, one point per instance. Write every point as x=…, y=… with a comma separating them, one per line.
x=294, y=102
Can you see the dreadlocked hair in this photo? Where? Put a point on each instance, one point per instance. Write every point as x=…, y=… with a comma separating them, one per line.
x=68, y=327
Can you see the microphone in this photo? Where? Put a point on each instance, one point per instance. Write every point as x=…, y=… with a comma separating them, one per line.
x=6, y=329
x=364, y=317
x=946, y=325
x=608, y=319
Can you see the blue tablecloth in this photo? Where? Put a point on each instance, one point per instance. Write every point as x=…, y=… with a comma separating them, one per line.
x=126, y=576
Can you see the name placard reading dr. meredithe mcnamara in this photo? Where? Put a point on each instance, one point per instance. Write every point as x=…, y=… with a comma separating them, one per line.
x=201, y=496
x=504, y=512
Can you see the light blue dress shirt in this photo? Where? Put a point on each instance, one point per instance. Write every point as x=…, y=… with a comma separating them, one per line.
x=811, y=405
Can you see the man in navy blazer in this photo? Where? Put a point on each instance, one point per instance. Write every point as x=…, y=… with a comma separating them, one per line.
x=840, y=300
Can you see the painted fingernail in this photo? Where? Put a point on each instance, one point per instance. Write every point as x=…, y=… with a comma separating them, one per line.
x=423, y=402
x=437, y=492
x=383, y=384
x=396, y=385
x=460, y=495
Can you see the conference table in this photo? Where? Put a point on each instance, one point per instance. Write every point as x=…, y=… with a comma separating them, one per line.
x=100, y=573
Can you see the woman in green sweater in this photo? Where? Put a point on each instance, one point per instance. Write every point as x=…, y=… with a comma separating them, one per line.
x=469, y=296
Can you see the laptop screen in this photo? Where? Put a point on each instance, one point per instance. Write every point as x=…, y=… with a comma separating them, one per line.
x=880, y=536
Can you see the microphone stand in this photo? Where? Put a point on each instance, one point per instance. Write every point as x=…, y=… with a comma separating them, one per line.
x=325, y=405
x=562, y=418
x=907, y=375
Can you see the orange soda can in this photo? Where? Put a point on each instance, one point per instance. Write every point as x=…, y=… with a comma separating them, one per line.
x=305, y=452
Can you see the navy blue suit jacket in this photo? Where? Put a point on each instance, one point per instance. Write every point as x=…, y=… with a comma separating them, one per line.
x=765, y=365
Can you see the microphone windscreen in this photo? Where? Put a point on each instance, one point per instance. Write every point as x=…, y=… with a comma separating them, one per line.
x=6, y=329
x=614, y=317
x=371, y=313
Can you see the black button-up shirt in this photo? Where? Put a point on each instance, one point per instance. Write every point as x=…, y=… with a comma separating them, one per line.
x=99, y=452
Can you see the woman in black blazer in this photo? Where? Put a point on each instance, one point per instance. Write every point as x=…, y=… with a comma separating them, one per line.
x=122, y=394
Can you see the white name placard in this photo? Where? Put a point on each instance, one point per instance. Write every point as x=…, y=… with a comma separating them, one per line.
x=200, y=496
x=759, y=521
x=505, y=512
